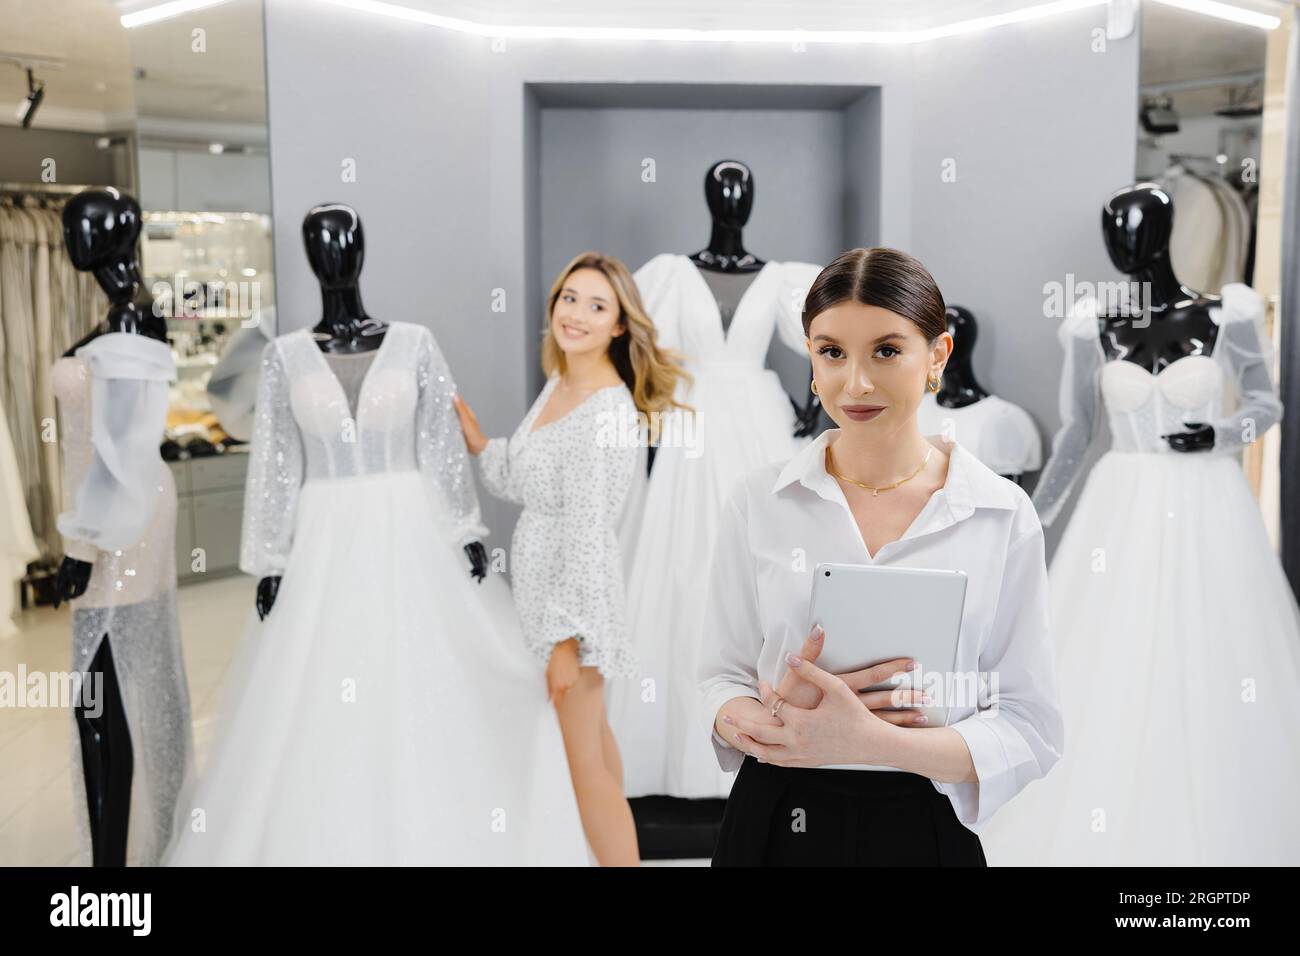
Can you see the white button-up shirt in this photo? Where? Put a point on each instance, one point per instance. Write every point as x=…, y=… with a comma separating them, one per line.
x=781, y=520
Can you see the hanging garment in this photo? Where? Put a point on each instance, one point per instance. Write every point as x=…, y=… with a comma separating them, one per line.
x=1198, y=244
x=385, y=711
x=742, y=419
x=17, y=244
x=572, y=477
x=1177, y=636
x=43, y=345
x=17, y=546
x=112, y=403
x=1001, y=435
x=1212, y=227
x=1236, y=222
x=232, y=386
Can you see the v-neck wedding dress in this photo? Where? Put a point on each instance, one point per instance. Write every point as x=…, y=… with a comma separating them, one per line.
x=385, y=712
x=743, y=421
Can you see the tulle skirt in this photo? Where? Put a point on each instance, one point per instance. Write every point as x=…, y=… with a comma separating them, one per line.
x=385, y=712
x=1178, y=655
x=744, y=421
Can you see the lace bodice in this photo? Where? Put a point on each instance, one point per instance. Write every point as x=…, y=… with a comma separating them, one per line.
x=306, y=429
x=1230, y=388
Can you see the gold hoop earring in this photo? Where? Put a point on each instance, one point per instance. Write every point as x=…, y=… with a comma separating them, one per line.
x=932, y=384
x=814, y=387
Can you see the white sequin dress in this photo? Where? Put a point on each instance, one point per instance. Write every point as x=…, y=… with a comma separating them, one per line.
x=385, y=711
x=573, y=477
x=120, y=516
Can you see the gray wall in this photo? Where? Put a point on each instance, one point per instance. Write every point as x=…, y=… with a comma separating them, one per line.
x=1040, y=128
x=593, y=196
x=449, y=142
x=78, y=161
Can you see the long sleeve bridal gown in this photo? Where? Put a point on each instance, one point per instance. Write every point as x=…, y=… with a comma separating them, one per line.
x=385, y=711
x=742, y=420
x=1177, y=636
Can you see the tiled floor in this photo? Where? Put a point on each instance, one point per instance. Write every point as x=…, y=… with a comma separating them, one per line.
x=36, y=822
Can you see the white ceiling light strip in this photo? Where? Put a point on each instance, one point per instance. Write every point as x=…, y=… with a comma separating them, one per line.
x=691, y=35
x=165, y=11
x=1039, y=11
x=1225, y=11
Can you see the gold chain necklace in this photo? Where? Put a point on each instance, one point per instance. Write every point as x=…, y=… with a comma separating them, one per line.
x=862, y=484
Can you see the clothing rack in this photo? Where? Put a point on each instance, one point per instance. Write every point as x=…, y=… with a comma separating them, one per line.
x=59, y=188
x=49, y=305
x=41, y=190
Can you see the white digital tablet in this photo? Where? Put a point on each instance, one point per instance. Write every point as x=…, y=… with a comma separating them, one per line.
x=874, y=614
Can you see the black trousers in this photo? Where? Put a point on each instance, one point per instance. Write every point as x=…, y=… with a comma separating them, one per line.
x=792, y=816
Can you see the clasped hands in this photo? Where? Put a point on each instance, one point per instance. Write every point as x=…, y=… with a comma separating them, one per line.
x=823, y=718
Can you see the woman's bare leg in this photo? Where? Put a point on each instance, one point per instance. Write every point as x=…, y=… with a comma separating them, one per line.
x=606, y=816
x=609, y=748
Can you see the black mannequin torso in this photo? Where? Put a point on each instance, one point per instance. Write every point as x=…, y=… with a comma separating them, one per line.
x=729, y=192
x=1137, y=223
x=959, y=388
x=728, y=289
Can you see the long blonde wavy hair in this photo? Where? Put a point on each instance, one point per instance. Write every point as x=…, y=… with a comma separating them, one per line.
x=651, y=373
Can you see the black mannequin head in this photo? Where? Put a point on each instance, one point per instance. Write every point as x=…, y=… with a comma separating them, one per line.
x=1136, y=223
x=100, y=229
x=335, y=244
x=336, y=249
x=960, y=387
x=729, y=191
x=963, y=328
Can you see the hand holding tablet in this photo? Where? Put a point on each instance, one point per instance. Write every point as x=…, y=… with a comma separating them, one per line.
x=874, y=616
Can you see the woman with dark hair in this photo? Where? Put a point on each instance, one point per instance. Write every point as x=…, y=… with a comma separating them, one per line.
x=829, y=775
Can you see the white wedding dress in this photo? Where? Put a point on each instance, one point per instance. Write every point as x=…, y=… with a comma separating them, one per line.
x=1177, y=636
x=743, y=420
x=386, y=711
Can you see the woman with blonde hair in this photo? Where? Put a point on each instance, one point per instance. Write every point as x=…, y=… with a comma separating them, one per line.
x=570, y=464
